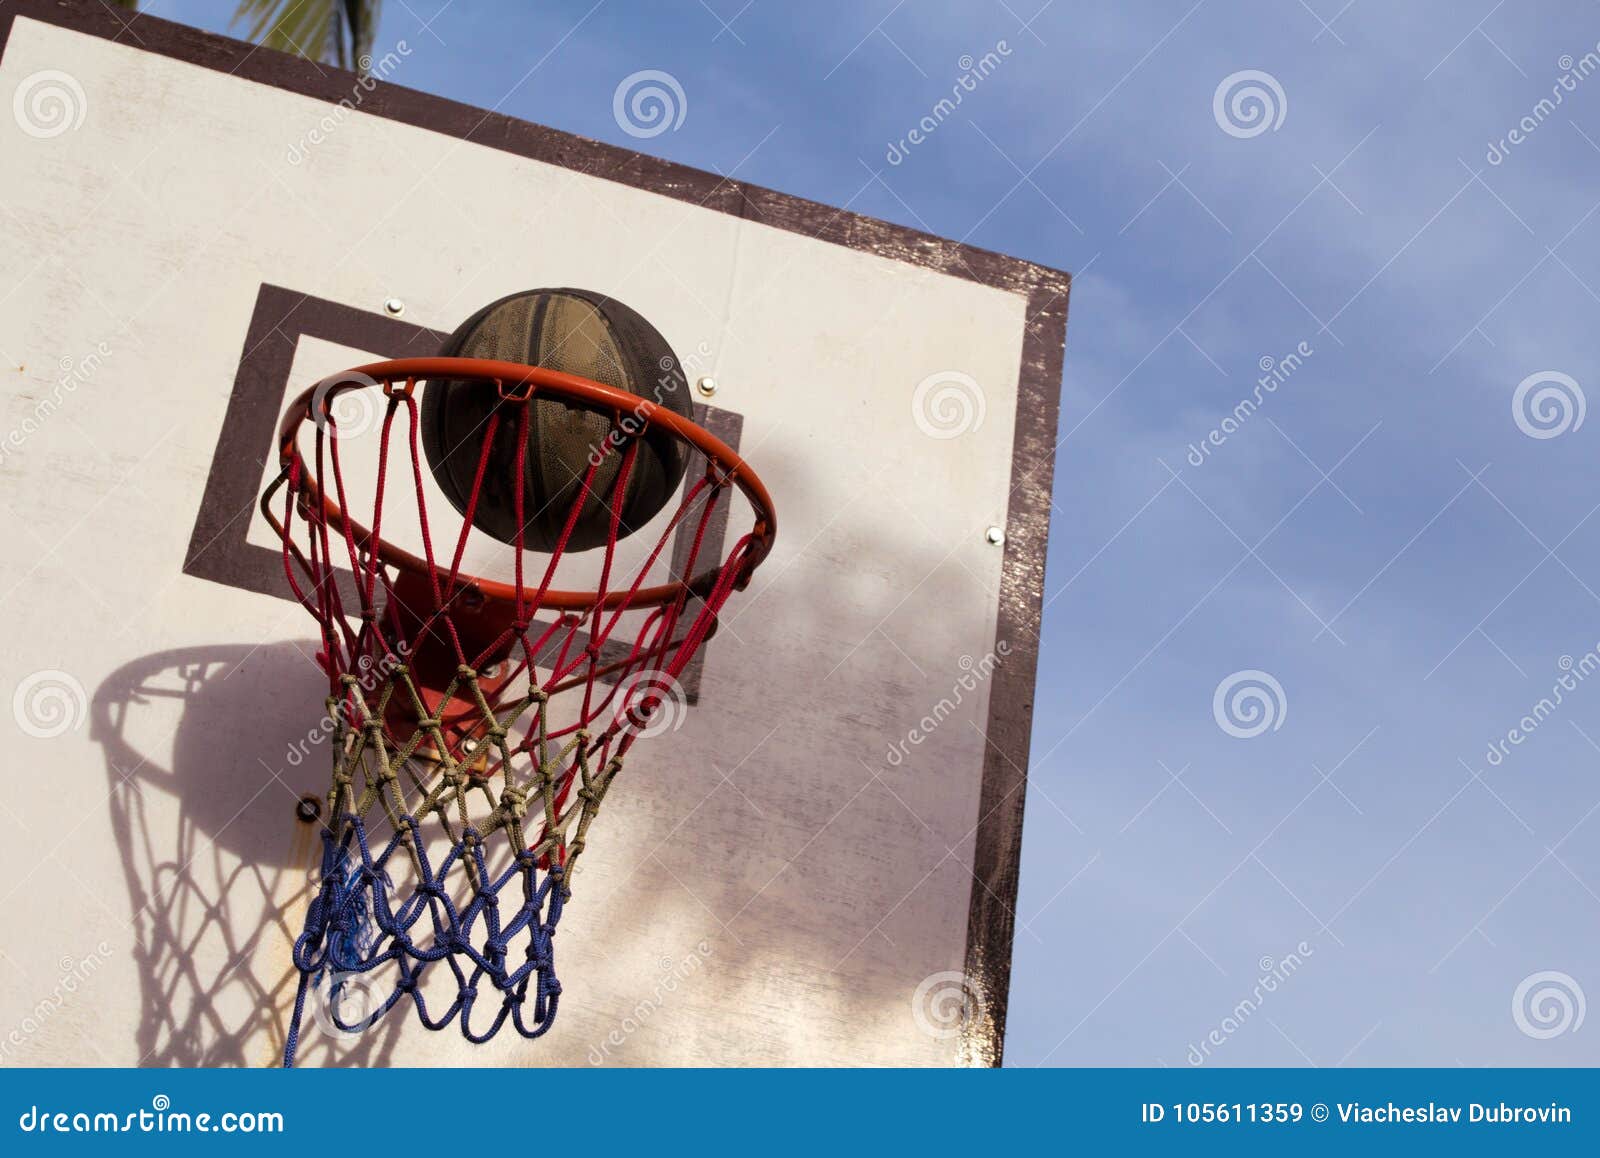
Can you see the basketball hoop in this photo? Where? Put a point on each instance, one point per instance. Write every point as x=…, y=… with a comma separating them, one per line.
x=464, y=707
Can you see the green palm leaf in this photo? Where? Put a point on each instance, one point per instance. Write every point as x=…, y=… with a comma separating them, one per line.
x=334, y=31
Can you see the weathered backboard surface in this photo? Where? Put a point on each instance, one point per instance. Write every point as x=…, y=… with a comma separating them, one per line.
x=818, y=867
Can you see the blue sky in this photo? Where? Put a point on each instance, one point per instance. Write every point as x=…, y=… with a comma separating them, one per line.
x=1382, y=535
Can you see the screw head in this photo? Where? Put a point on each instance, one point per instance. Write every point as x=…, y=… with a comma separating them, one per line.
x=707, y=385
x=394, y=307
x=995, y=535
x=309, y=809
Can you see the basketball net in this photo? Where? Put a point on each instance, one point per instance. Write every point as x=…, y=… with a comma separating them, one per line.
x=475, y=735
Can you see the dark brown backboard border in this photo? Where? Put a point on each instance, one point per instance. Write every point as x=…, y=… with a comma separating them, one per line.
x=997, y=849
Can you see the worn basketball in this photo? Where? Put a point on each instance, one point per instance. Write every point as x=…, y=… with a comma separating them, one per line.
x=577, y=332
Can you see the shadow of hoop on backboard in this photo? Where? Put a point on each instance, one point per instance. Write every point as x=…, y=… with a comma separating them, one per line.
x=208, y=750
x=798, y=892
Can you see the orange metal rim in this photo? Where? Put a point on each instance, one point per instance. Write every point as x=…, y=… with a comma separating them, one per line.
x=519, y=383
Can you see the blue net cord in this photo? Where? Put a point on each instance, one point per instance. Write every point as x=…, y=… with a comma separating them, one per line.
x=393, y=910
x=360, y=926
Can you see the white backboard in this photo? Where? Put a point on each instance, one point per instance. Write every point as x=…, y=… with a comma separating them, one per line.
x=193, y=230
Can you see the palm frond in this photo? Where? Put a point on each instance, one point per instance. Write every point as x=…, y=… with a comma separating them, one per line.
x=333, y=31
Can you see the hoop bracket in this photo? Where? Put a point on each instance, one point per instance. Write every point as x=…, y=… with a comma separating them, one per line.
x=521, y=392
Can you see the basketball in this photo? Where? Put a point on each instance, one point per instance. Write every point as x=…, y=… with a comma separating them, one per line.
x=576, y=332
